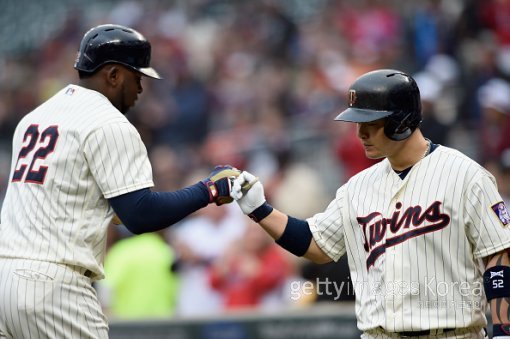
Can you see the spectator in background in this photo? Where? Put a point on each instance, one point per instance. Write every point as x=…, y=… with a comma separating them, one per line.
x=299, y=180
x=140, y=282
x=199, y=241
x=480, y=64
x=349, y=152
x=500, y=168
x=372, y=28
x=495, y=14
x=186, y=117
x=251, y=272
x=167, y=167
x=277, y=33
x=139, y=279
x=494, y=100
x=432, y=30
x=504, y=178
x=430, y=92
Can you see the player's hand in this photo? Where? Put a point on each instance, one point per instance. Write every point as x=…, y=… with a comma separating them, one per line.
x=219, y=183
x=248, y=192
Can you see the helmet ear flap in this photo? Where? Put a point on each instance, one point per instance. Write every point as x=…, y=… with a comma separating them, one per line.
x=400, y=125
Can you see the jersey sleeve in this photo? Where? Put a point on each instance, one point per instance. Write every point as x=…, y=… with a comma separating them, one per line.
x=487, y=222
x=118, y=159
x=327, y=227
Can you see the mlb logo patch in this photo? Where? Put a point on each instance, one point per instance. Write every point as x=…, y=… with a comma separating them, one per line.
x=502, y=212
x=70, y=91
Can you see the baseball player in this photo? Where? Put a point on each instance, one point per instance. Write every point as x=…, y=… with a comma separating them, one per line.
x=77, y=161
x=425, y=229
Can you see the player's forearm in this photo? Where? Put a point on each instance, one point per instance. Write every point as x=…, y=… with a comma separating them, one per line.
x=146, y=211
x=316, y=255
x=500, y=307
x=276, y=223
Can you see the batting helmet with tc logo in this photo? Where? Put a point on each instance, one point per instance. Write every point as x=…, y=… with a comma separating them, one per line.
x=388, y=94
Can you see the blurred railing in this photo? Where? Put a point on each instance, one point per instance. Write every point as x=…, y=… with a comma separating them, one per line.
x=318, y=322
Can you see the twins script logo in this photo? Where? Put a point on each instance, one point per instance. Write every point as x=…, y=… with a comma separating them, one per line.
x=414, y=221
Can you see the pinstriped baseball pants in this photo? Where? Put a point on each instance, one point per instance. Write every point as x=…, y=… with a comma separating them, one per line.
x=462, y=333
x=46, y=300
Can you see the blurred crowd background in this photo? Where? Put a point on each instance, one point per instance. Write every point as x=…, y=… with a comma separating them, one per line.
x=257, y=84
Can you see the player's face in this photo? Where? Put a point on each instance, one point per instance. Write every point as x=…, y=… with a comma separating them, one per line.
x=373, y=138
x=129, y=90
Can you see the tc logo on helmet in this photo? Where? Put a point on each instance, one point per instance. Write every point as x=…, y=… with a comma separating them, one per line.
x=352, y=97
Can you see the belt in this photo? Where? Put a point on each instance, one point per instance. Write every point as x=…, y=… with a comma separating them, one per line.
x=82, y=270
x=407, y=334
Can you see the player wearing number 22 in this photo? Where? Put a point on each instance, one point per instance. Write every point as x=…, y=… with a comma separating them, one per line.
x=77, y=160
x=425, y=229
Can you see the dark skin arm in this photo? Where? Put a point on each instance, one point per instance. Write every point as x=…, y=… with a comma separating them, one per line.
x=500, y=307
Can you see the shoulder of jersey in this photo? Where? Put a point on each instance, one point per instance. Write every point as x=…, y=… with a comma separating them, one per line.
x=91, y=103
x=462, y=159
x=372, y=172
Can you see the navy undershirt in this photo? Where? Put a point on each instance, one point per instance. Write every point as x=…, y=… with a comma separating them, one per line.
x=145, y=211
x=403, y=174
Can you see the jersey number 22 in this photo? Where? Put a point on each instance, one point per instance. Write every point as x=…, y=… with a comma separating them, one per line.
x=38, y=147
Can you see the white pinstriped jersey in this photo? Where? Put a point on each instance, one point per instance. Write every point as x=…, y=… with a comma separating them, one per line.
x=69, y=155
x=415, y=246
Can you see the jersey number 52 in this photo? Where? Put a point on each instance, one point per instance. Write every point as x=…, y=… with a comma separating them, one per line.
x=37, y=146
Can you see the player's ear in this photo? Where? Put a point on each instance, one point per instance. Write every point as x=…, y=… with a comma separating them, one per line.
x=112, y=73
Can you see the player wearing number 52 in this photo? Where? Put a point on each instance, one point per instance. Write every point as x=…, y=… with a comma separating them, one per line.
x=77, y=160
x=425, y=230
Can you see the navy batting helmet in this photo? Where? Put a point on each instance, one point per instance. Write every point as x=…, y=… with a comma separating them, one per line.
x=115, y=44
x=389, y=94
